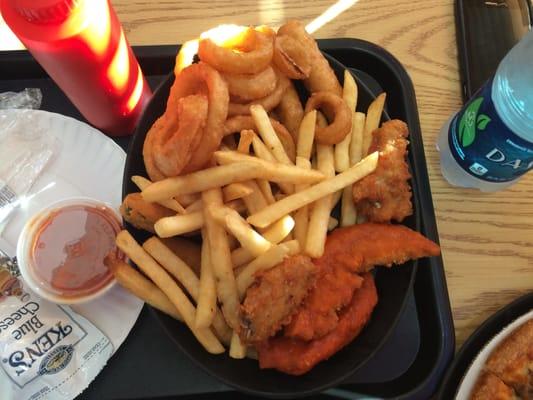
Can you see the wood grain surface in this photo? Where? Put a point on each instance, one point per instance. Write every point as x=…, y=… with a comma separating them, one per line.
x=487, y=239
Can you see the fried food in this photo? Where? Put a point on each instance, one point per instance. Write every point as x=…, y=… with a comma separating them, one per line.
x=141, y=214
x=513, y=359
x=290, y=111
x=336, y=111
x=321, y=77
x=385, y=195
x=293, y=202
x=268, y=102
x=135, y=282
x=248, y=87
x=275, y=296
x=296, y=357
x=241, y=122
x=371, y=244
x=490, y=387
x=195, y=79
x=173, y=150
x=349, y=252
x=291, y=57
x=249, y=51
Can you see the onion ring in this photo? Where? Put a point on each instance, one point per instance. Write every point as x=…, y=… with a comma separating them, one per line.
x=254, y=55
x=242, y=122
x=171, y=152
x=269, y=102
x=321, y=78
x=335, y=110
x=247, y=87
x=290, y=111
x=198, y=79
x=291, y=57
x=152, y=170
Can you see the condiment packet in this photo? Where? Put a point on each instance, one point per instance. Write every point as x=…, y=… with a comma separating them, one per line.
x=47, y=351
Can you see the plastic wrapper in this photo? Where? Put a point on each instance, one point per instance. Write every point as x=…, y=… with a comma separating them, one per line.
x=29, y=98
x=48, y=352
x=26, y=147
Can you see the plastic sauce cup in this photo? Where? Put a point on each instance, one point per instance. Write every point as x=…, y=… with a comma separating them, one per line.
x=61, y=250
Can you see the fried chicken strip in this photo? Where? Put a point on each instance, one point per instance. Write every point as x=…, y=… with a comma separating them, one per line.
x=385, y=194
x=274, y=297
x=296, y=357
x=348, y=252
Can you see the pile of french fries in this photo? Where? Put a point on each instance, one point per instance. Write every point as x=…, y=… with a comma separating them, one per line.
x=253, y=207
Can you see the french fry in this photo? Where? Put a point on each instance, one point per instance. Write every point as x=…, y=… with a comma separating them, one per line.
x=255, y=201
x=301, y=216
x=283, y=207
x=196, y=206
x=176, y=267
x=271, y=171
x=207, y=292
x=245, y=141
x=306, y=136
x=221, y=256
x=179, y=224
x=332, y=223
x=200, y=181
x=342, y=149
x=133, y=281
x=275, y=233
x=266, y=190
x=267, y=133
x=267, y=260
x=236, y=191
x=356, y=145
x=187, y=199
x=262, y=152
x=335, y=197
x=240, y=229
x=163, y=280
x=237, y=348
x=173, y=204
x=319, y=218
x=373, y=117
x=348, y=210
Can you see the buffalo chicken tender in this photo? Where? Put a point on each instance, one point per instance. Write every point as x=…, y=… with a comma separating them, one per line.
x=275, y=296
x=142, y=214
x=385, y=194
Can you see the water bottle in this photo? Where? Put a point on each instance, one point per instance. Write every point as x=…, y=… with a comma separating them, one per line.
x=488, y=144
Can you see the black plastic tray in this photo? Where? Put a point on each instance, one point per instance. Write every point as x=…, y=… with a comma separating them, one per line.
x=411, y=363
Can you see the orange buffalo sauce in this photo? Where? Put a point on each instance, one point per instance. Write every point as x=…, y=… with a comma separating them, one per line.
x=69, y=247
x=296, y=356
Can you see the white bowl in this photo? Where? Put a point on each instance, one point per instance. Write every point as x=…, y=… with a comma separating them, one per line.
x=24, y=258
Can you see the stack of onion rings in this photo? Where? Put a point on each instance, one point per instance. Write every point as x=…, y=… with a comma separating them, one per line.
x=187, y=123
x=337, y=112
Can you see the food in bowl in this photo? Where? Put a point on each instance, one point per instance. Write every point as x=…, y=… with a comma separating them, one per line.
x=61, y=250
x=259, y=188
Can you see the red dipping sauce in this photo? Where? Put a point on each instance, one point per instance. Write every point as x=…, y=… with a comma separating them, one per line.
x=68, y=249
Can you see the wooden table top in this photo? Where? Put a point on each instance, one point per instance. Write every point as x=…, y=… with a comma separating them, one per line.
x=487, y=239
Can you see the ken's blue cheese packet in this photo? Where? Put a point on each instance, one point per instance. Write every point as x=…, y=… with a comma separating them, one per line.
x=47, y=351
